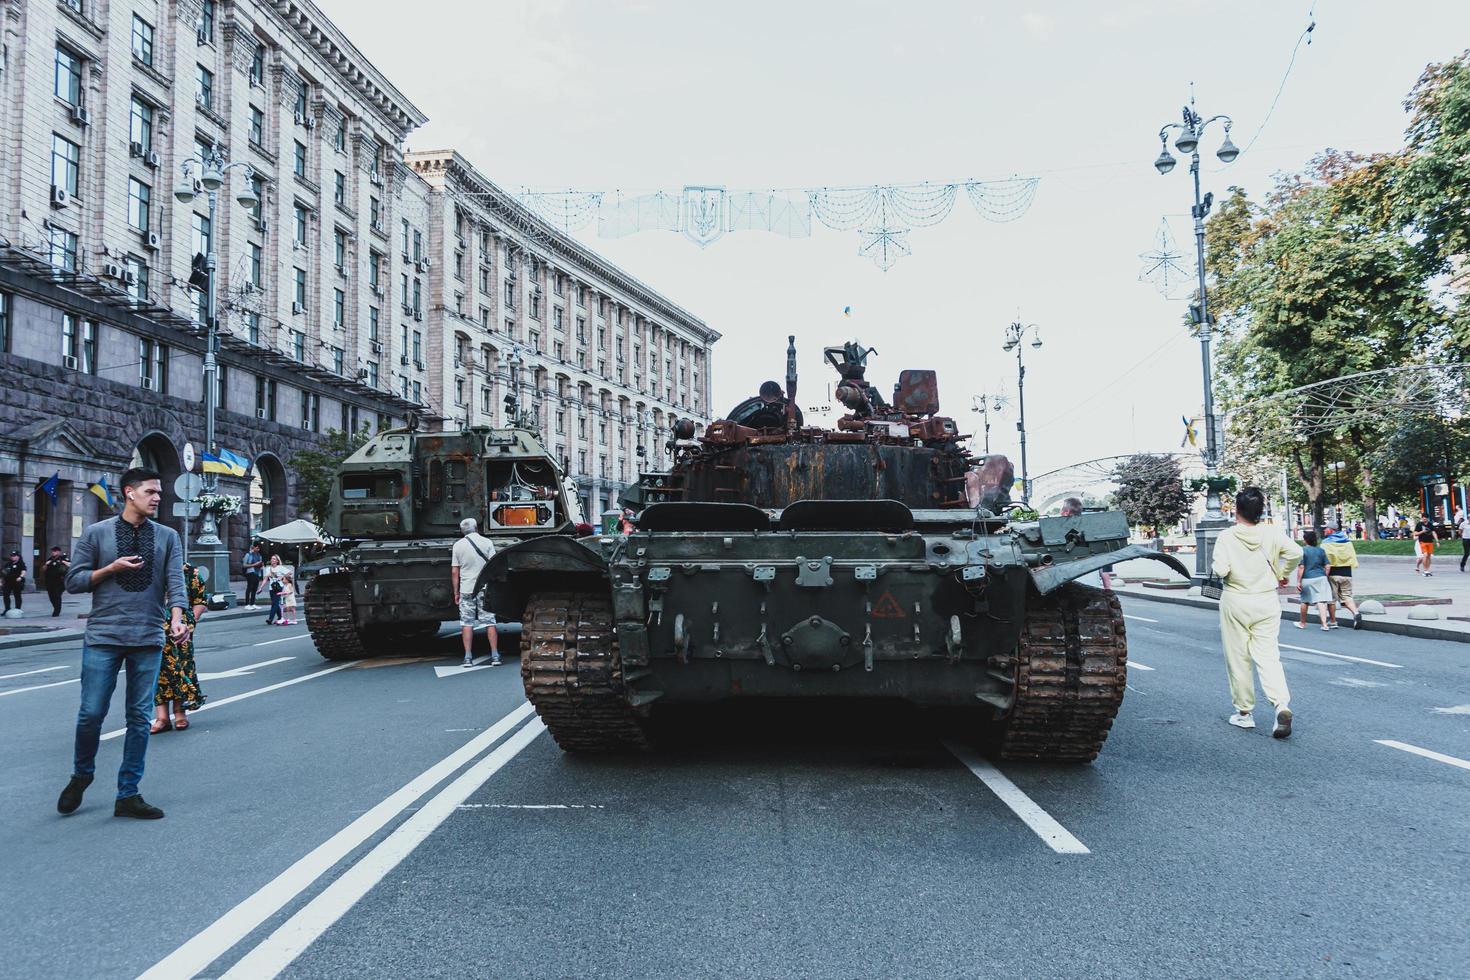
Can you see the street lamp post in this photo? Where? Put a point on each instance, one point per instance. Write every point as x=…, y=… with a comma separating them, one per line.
x=210, y=552
x=1014, y=335
x=1191, y=129
x=984, y=405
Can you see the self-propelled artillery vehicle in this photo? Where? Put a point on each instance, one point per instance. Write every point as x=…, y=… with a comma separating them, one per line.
x=876, y=559
x=395, y=510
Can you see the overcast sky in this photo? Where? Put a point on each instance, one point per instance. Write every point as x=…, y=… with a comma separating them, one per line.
x=648, y=94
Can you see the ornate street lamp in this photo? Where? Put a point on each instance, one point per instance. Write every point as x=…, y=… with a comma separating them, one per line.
x=1015, y=333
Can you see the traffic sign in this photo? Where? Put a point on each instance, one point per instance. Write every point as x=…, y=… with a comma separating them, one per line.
x=188, y=486
x=188, y=457
x=185, y=508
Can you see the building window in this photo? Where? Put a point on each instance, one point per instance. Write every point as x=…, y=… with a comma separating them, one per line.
x=221, y=384
x=137, y=278
x=257, y=265
x=405, y=238
x=140, y=125
x=68, y=75
x=557, y=284
x=257, y=184
x=510, y=295
x=311, y=411
x=142, y=40
x=139, y=197
x=257, y=126
x=375, y=269
x=153, y=365
x=202, y=234
x=298, y=345
x=63, y=249
x=298, y=159
x=339, y=358
x=339, y=249
x=372, y=370
x=4, y=323
x=459, y=266
x=70, y=339
x=373, y=319
x=485, y=317
x=252, y=327
x=375, y=213
x=418, y=392
x=257, y=65
x=418, y=245
x=204, y=92
x=301, y=224
x=206, y=22
x=556, y=317
x=418, y=349
x=265, y=398
x=535, y=305
x=300, y=298
x=485, y=401
x=65, y=164
x=302, y=85
x=341, y=138
x=459, y=391
x=339, y=309
x=561, y=423
x=418, y=295
x=339, y=188
x=559, y=349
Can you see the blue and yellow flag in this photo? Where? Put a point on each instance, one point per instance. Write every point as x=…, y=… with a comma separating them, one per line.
x=102, y=492
x=225, y=462
x=1191, y=436
x=847, y=311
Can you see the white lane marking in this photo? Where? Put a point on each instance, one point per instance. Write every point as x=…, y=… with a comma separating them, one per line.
x=222, y=934
x=27, y=673
x=1057, y=837
x=1340, y=656
x=1459, y=709
x=250, y=694
x=37, y=687
x=1357, y=682
x=1141, y=619
x=1426, y=753
x=242, y=671
x=532, y=806
x=1135, y=663
x=283, y=639
x=278, y=950
x=459, y=668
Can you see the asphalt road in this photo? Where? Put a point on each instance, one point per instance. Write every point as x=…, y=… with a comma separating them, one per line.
x=380, y=819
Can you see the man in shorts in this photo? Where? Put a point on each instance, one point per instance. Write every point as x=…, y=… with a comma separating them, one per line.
x=1424, y=541
x=468, y=559
x=1343, y=558
x=1462, y=524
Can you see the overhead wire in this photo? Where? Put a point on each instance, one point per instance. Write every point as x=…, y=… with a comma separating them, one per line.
x=1305, y=35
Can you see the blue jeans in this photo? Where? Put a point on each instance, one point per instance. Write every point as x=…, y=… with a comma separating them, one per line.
x=100, y=665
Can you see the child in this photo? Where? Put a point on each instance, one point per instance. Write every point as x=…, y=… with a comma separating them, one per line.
x=288, y=598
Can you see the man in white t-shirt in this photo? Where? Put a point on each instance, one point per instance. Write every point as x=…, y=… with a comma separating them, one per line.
x=1463, y=523
x=468, y=559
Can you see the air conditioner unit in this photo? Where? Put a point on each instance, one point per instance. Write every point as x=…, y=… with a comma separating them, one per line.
x=59, y=197
x=80, y=115
x=153, y=241
x=310, y=122
x=297, y=309
x=403, y=360
x=148, y=383
x=419, y=365
x=130, y=277
x=425, y=265
x=299, y=117
x=378, y=291
x=260, y=413
x=418, y=315
x=375, y=179
x=69, y=361
x=152, y=160
x=306, y=423
x=135, y=149
x=376, y=346
x=263, y=225
x=408, y=309
x=112, y=271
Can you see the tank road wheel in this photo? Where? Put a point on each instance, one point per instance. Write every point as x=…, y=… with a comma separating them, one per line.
x=1071, y=672
x=572, y=673
x=329, y=618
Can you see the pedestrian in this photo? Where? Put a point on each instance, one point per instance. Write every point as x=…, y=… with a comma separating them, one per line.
x=1343, y=558
x=288, y=596
x=178, y=678
x=1253, y=559
x=467, y=559
x=1358, y=530
x=13, y=579
x=1424, y=541
x=133, y=567
x=1311, y=578
x=252, y=565
x=53, y=573
x=627, y=523
x=1462, y=524
x=1072, y=507
x=274, y=571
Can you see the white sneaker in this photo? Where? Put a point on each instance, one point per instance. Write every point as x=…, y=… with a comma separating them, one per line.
x=1300, y=626
x=1283, y=724
x=1327, y=629
x=1243, y=719
x=469, y=661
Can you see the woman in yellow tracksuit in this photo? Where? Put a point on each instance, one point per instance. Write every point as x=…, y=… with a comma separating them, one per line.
x=1253, y=559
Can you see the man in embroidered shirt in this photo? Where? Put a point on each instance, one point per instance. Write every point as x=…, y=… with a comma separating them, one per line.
x=134, y=569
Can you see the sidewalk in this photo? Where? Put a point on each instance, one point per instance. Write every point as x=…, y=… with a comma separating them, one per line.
x=1375, y=575
x=39, y=626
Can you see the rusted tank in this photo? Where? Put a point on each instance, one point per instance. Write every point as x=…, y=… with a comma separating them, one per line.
x=875, y=559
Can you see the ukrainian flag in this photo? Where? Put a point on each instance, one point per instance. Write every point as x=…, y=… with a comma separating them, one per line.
x=102, y=492
x=225, y=462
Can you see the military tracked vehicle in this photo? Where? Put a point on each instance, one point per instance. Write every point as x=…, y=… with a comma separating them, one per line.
x=876, y=559
x=395, y=511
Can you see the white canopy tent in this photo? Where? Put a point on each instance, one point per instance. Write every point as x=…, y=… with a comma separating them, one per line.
x=297, y=532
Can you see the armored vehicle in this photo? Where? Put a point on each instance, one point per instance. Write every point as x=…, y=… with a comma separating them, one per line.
x=876, y=559
x=395, y=511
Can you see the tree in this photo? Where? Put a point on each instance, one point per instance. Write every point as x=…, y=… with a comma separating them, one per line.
x=316, y=469
x=1151, y=491
x=1418, y=446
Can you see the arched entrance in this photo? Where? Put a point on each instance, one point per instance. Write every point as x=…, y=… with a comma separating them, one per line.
x=155, y=452
x=267, y=494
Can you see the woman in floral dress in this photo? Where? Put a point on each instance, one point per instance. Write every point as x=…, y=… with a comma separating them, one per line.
x=178, y=679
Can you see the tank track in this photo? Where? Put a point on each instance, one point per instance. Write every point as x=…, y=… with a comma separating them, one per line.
x=1071, y=673
x=573, y=675
x=329, y=619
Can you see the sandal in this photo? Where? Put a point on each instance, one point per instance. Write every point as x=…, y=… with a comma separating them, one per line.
x=154, y=728
x=180, y=723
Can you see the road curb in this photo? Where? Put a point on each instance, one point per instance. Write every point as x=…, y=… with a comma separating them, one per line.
x=1415, y=630
x=36, y=639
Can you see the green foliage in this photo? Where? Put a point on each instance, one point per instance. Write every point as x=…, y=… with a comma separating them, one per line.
x=1417, y=446
x=316, y=469
x=1151, y=491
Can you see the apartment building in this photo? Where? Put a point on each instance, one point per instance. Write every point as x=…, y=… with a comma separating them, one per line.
x=608, y=363
x=101, y=332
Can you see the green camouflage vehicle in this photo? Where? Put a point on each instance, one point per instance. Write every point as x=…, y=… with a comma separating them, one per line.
x=877, y=559
x=395, y=511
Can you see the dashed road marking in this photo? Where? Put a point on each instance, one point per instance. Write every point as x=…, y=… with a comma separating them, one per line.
x=1341, y=656
x=283, y=639
x=1045, y=826
x=27, y=673
x=1141, y=619
x=1135, y=663
x=1459, y=709
x=1448, y=760
x=532, y=806
x=37, y=687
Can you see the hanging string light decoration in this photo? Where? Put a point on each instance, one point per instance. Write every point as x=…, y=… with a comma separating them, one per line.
x=882, y=214
x=1162, y=266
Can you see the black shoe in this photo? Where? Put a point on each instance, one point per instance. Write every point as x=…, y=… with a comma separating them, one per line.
x=1357, y=620
x=1283, y=724
x=71, y=797
x=136, y=806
